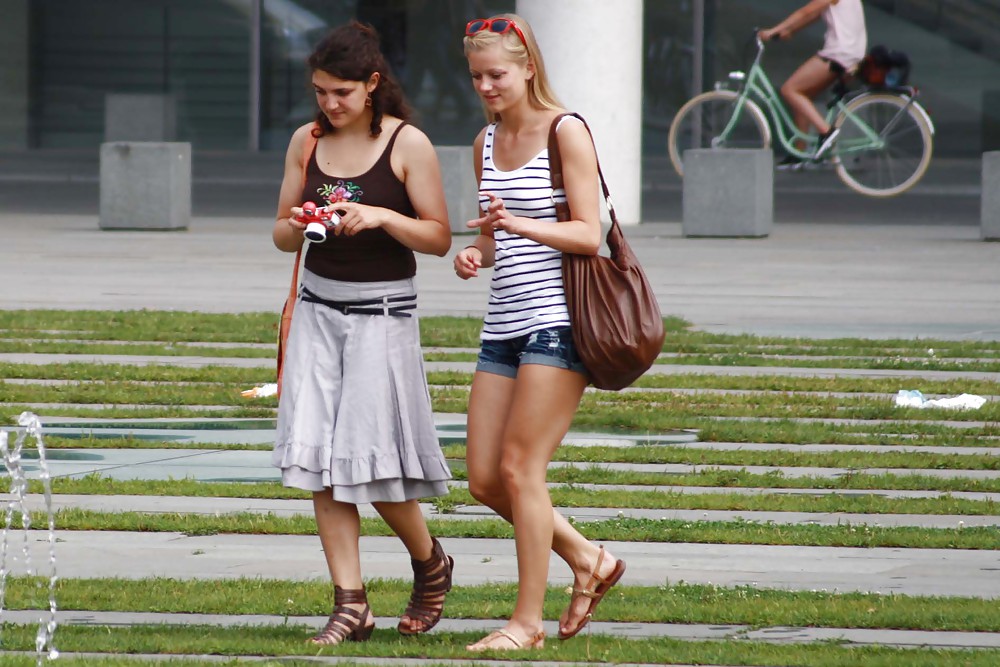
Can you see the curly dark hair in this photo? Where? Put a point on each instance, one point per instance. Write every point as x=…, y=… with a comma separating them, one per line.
x=351, y=52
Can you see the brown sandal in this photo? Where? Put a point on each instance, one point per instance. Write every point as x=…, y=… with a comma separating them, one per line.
x=431, y=581
x=595, y=589
x=346, y=623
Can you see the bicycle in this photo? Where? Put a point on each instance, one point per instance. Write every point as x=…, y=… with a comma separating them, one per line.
x=883, y=149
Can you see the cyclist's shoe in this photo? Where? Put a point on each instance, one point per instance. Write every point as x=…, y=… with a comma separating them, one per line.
x=826, y=141
x=790, y=163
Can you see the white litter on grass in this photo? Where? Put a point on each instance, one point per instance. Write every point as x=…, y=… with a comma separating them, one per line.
x=911, y=398
x=262, y=391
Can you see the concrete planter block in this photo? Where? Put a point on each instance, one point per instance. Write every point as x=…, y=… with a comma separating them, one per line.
x=140, y=117
x=990, y=201
x=145, y=185
x=728, y=192
x=460, y=188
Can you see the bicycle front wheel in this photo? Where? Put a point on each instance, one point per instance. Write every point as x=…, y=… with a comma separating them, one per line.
x=899, y=162
x=701, y=122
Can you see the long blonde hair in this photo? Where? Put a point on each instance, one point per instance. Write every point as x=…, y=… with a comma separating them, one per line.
x=540, y=93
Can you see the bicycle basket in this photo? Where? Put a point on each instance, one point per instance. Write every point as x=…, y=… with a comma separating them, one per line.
x=884, y=68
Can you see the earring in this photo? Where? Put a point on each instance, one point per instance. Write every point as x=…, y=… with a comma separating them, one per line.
x=368, y=100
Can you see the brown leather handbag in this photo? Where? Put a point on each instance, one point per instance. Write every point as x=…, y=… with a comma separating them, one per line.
x=616, y=322
x=293, y=291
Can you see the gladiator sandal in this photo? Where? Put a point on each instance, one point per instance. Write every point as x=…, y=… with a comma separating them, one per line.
x=346, y=623
x=431, y=581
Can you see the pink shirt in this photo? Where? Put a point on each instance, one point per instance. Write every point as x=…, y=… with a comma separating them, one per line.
x=846, y=40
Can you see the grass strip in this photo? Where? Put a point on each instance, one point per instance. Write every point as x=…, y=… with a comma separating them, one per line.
x=619, y=529
x=386, y=643
x=692, y=455
x=570, y=497
x=261, y=327
x=664, y=403
x=114, y=392
x=83, y=371
x=770, y=480
x=778, y=382
x=656, y=454
x=9, y=413
x=233, y=375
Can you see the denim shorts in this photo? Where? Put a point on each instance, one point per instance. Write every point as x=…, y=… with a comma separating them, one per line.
x=547, y=347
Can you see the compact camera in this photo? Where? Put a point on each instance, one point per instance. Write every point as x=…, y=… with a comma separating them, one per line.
x=318, y=220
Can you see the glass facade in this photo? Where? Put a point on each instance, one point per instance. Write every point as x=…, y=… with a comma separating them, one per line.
x=953, y=46
x=234, y=69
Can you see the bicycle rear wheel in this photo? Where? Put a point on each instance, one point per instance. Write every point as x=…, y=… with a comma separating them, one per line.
x=904, y=156
x=702, y=119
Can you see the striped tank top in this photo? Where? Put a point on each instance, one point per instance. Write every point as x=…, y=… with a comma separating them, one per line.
x=526, y=291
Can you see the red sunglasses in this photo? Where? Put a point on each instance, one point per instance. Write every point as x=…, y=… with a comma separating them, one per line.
x=499, y=26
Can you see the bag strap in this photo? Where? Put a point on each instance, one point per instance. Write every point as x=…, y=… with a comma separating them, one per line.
x=615, y=237
x=307, y=149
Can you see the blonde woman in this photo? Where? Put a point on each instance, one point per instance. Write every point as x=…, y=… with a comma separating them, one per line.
x=529, y=378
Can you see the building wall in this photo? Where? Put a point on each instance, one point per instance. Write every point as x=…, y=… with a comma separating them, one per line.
x=59, y=58
x=14, y=68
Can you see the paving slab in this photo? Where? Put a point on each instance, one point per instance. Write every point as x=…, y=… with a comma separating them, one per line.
x=684, y=631
x=935, y=572
x=820, y=448
x=905, y=376
x=824, y=281
x=243, y=465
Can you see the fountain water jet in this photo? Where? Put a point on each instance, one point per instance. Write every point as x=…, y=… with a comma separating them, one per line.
x=31, y=428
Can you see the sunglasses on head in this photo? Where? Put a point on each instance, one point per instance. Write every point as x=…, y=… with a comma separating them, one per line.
x=499, y=26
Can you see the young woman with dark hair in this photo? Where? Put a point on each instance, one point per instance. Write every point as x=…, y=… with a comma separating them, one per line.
x=354, y=418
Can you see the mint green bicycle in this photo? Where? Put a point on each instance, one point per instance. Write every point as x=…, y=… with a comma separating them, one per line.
x=883, y=149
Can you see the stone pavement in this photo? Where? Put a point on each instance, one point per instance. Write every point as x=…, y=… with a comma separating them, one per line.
x=818, y=281
x=804, y=280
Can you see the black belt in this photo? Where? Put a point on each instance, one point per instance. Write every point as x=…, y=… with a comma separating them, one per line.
x=372, y=307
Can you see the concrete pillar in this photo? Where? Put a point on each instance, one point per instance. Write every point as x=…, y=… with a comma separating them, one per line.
x=14, y=74
x=460, y=189
x=728, y=192
x=145, y=185
x=990, y=202
x=593, y=56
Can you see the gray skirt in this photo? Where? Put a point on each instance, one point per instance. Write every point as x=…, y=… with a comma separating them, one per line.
x=355, y=411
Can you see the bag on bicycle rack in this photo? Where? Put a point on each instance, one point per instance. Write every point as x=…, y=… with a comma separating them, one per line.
x=884, y=68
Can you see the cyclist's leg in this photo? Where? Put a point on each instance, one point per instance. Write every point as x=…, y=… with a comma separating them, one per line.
x=802, y=87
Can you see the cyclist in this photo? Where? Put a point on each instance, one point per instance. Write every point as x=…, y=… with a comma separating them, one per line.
x=844, y=46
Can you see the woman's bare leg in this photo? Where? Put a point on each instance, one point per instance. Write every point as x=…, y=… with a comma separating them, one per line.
x=406, y=520
x=339, y=529
x=489, y=405
x=802, y=87
x=544, y=401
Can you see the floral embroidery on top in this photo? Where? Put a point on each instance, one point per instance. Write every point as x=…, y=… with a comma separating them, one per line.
x=340, y=192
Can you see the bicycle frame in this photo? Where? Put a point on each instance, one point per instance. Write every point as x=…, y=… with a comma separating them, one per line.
x=756, y=86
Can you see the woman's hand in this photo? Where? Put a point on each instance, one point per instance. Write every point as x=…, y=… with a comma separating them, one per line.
x=773, y=34
x=495, y=217
x=294, y=220
x=467, y=262
x=355, y=217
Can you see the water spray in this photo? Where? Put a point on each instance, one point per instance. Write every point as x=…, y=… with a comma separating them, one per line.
x=31, y=427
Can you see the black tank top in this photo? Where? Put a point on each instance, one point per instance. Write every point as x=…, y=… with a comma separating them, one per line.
x=373, y=254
